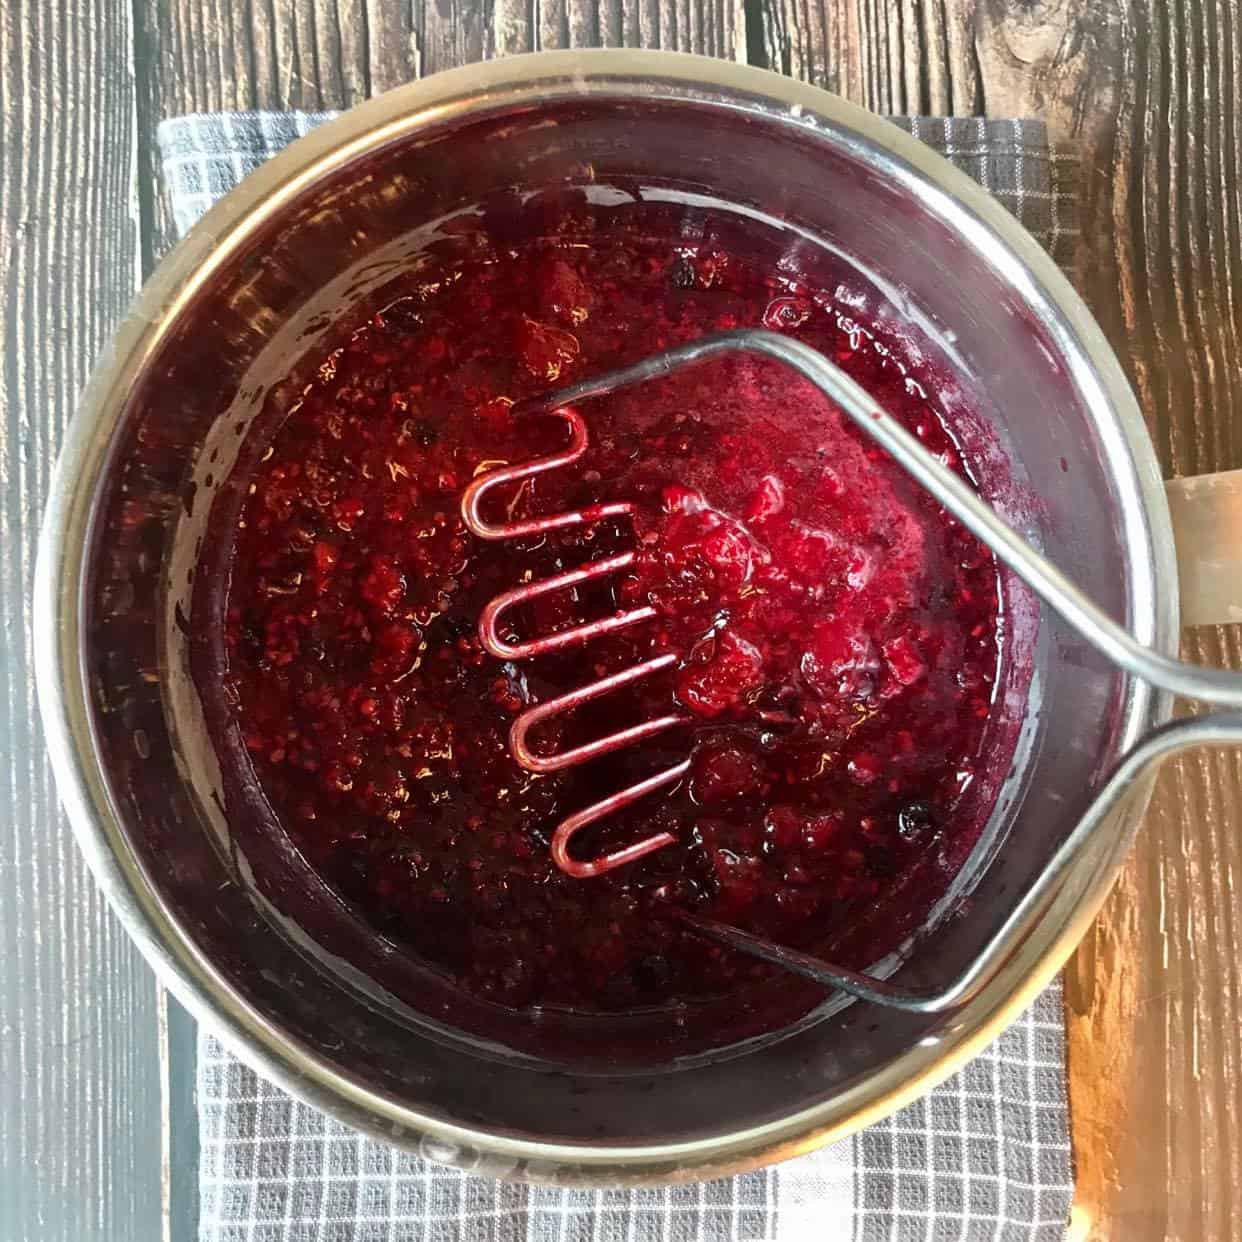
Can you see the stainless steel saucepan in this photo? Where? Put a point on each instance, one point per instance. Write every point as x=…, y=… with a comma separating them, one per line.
x=236, y=925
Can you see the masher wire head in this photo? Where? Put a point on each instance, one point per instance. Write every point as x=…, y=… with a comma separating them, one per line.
x=489, y=635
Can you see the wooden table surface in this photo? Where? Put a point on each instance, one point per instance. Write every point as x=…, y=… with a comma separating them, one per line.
x=90, y=1148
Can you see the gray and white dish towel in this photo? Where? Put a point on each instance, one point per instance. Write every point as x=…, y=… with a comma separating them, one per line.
x=985, y=1156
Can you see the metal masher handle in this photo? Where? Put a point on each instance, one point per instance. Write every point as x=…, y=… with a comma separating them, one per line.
x=1211, y=685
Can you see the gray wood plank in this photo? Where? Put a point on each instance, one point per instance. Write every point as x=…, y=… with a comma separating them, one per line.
x=180, y=1158
x=212, y=55
x=204, y=55
x=79, y=1071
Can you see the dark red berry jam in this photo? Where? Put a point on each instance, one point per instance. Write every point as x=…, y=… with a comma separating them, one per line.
x=837, y=633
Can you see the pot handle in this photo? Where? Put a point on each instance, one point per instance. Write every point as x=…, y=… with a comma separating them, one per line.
x=1207, y=530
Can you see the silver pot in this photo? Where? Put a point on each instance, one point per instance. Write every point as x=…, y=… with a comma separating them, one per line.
x=290, y=987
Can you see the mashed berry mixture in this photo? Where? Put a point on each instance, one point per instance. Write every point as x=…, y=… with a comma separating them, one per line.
x=838, y=634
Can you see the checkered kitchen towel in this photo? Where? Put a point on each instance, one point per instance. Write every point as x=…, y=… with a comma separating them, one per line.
x=985, y=1156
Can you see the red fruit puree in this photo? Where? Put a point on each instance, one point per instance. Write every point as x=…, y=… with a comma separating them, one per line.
x=838, y=633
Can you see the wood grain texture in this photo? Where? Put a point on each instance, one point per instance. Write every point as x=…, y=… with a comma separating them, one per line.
x=213, y=55
x=79, y=1071
x=242, y=55
x=1149, y=91
x=207, y=55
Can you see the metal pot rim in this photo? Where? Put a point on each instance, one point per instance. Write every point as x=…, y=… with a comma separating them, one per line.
x=63, y=691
